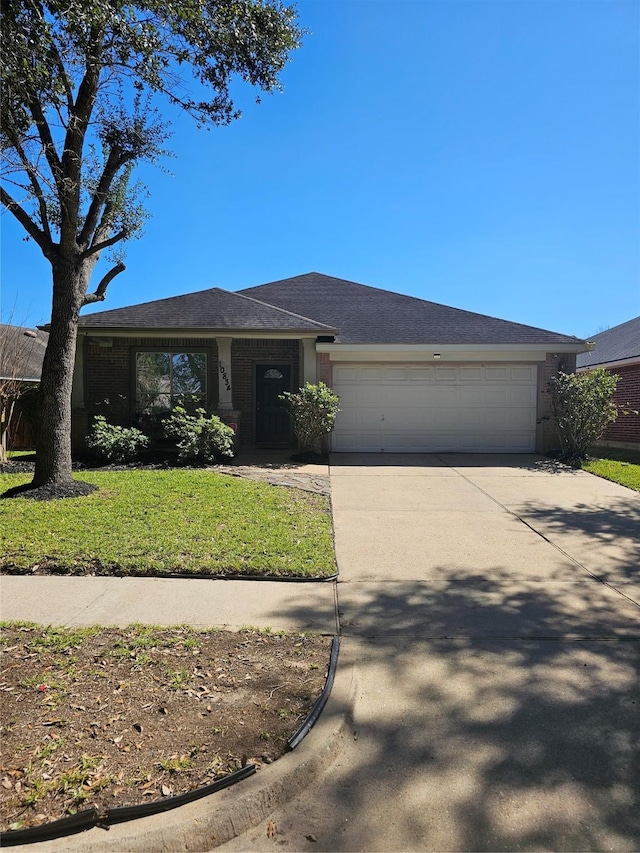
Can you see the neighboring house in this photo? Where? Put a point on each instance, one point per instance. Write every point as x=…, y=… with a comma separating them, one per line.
x=618, y=351
x=411, y=375
x=21, y=354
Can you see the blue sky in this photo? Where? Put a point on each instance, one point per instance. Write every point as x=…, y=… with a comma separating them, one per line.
x=480, y=154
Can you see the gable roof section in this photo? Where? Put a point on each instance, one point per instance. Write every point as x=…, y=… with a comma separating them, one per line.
x=21, y=353
x=621, y=343
x=368, y=315
x=214, y=310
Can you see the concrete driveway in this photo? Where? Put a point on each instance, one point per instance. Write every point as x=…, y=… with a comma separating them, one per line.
x=490, y=608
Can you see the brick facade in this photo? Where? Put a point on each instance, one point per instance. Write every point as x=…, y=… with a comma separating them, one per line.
x=554, y=363
x=626, y=428
x=324, y=369
x=245, y=354
x=109, y=374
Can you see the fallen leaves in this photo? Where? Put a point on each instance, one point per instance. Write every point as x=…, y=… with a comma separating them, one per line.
x=122, y=717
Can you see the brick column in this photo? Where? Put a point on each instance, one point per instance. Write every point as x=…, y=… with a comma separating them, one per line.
x=309, y=368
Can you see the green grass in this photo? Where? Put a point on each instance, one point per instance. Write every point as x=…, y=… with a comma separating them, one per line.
x=169, y=521
x=621, y=466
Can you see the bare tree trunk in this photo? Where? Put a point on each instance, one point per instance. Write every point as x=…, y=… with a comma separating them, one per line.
x=53, y=446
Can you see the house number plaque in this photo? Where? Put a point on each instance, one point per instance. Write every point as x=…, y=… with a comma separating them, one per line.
x=225, y=378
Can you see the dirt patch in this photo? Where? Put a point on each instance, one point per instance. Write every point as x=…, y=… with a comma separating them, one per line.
x=104, y=717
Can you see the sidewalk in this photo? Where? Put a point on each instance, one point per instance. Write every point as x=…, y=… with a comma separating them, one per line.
x=201, y=602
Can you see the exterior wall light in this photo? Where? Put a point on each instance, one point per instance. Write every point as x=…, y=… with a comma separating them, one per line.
x=436, y=355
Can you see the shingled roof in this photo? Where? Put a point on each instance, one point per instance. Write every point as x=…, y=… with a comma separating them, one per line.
x=368, y=315
x=621, y=343
x=21, y=353
x=214, y=310
x=325, y=306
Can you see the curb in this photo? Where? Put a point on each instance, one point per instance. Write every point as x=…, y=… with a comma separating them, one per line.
x=213, y=820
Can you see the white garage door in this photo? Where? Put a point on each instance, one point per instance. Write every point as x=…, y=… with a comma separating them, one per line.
x=427, y=408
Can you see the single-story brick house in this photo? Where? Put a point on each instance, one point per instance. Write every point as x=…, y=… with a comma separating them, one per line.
x=618, y=351
x=411, y=375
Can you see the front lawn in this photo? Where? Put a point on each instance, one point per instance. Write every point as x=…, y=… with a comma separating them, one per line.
x=150, y=521
x=621, y=466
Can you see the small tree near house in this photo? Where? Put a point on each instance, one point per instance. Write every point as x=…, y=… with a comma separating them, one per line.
x=582, y=406
x=313, y=410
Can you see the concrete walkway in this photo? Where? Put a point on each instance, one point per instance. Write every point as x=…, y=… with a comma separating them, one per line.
x=490, y=608
x=201, y=602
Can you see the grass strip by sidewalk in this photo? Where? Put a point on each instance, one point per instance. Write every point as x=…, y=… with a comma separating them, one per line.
x=620, y=466
x=192, y=521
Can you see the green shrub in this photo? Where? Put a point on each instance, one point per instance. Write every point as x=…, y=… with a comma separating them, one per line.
x=115, y=443
x=313, y=409
x=582, y=408
x=199, y=437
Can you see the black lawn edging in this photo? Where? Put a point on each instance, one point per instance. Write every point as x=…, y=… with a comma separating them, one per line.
x=314, y=713
x=213, y=577
x=59, y=572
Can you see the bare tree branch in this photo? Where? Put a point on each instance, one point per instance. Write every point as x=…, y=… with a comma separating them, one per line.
x=48, y=145
x=76, y=132
x=43, y=240
x=104, y=244
x=115, y=161
x=64, y=77
x=101, y=289
x=33, y=179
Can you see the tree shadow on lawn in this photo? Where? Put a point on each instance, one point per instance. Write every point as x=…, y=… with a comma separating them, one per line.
x=490, y=715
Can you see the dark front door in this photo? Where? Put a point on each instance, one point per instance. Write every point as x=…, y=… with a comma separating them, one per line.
x=272, y=418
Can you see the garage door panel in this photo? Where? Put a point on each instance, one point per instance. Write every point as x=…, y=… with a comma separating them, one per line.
x=526, y=373
x=523, y=420
x=522, y=396
x=497, y=374
x=371, y=374
x=360, y=440
x=442, y=395
x=420, y=374
x=422, y=408
x=446, y=374
x=471, y=374
x=496, y=396
x=345, y=374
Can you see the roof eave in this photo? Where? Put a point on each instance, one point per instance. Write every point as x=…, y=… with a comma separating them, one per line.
x=608, y=365
x=449, y=348
x=200, y=332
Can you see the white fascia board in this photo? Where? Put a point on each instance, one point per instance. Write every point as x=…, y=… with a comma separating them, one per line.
x=608, y=365
x=177, y=332
x=447, y=352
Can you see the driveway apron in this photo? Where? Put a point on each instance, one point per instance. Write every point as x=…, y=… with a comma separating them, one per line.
x=490, y=607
